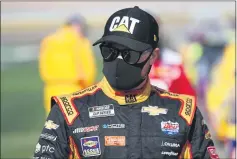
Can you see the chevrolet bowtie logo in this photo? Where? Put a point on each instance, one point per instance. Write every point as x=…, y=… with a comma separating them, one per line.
x=50, y=125
x=154, y=110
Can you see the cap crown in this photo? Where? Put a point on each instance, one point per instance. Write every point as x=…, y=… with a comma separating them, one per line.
x=133, y=23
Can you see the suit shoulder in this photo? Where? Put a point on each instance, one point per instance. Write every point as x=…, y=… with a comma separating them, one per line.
x=67, y=105
x=187, y=108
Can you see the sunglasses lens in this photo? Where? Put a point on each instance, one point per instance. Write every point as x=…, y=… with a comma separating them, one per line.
x=131, y=56
x=108, y=53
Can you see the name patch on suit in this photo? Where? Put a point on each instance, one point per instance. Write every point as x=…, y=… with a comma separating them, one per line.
x=101, y=111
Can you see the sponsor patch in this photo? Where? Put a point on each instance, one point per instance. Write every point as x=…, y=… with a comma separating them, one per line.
x=166, y=93
x=89, y=89
x=37, y=148
x=50, y=125
x=101, y=111
x=171, y=153
x=188, y=106
x=105, y=126
x=187, y=110
x=48, y=149
x=90, y=146
x=123, y=24
x=48, y=137
x=114, y=140
x=169, y=144
x=67, y=106
x=208, y=135
x=131, y=98
x=212, y=152
x=86, y=129
x=170, y=128
x=154, y=110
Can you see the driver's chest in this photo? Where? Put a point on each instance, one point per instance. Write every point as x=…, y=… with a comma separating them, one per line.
x=128, y=133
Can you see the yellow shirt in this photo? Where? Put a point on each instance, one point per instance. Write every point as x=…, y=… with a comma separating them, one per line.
x=223, y=79
x=67, y=57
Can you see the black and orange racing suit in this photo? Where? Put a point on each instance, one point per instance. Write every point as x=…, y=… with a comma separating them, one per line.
x=98, y=122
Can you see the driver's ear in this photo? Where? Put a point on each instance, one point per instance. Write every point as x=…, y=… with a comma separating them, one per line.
x=154, y=56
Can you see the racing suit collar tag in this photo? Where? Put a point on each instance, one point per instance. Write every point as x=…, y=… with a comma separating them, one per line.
x=124, y=98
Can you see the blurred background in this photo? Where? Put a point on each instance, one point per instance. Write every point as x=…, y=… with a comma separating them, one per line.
x=202, y=35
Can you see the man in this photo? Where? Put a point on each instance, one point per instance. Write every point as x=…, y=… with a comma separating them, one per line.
x=123, y=116
x=66, y=60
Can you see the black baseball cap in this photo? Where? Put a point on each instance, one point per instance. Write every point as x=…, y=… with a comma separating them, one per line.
x=133, y=28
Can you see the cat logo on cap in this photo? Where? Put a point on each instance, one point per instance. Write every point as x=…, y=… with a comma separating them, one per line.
x=124, y=24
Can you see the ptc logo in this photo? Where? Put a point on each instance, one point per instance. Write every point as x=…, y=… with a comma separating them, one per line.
x=124, y=24
x=47, y=149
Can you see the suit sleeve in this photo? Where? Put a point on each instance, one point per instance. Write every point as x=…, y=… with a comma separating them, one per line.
x=53, y=140
x=201, y=144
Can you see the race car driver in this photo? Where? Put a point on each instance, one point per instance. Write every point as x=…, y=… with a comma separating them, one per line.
x=123, y=116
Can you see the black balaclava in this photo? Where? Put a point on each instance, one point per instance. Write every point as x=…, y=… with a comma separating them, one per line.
x=123, y=76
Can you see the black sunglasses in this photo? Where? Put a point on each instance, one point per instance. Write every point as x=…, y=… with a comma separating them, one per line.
x=110, y=53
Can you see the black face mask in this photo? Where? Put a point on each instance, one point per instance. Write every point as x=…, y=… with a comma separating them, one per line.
x=123, y=76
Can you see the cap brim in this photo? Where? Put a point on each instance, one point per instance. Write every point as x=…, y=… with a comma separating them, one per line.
x=130, y=43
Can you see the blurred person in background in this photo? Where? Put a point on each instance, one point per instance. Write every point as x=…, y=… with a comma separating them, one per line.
x=168, y=72
x=221, y=97
x=66, y=61
x=203, y=52
x=213, y=43
x=191, y=52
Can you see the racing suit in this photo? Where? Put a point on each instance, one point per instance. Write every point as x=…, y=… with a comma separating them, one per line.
x=149, y=123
